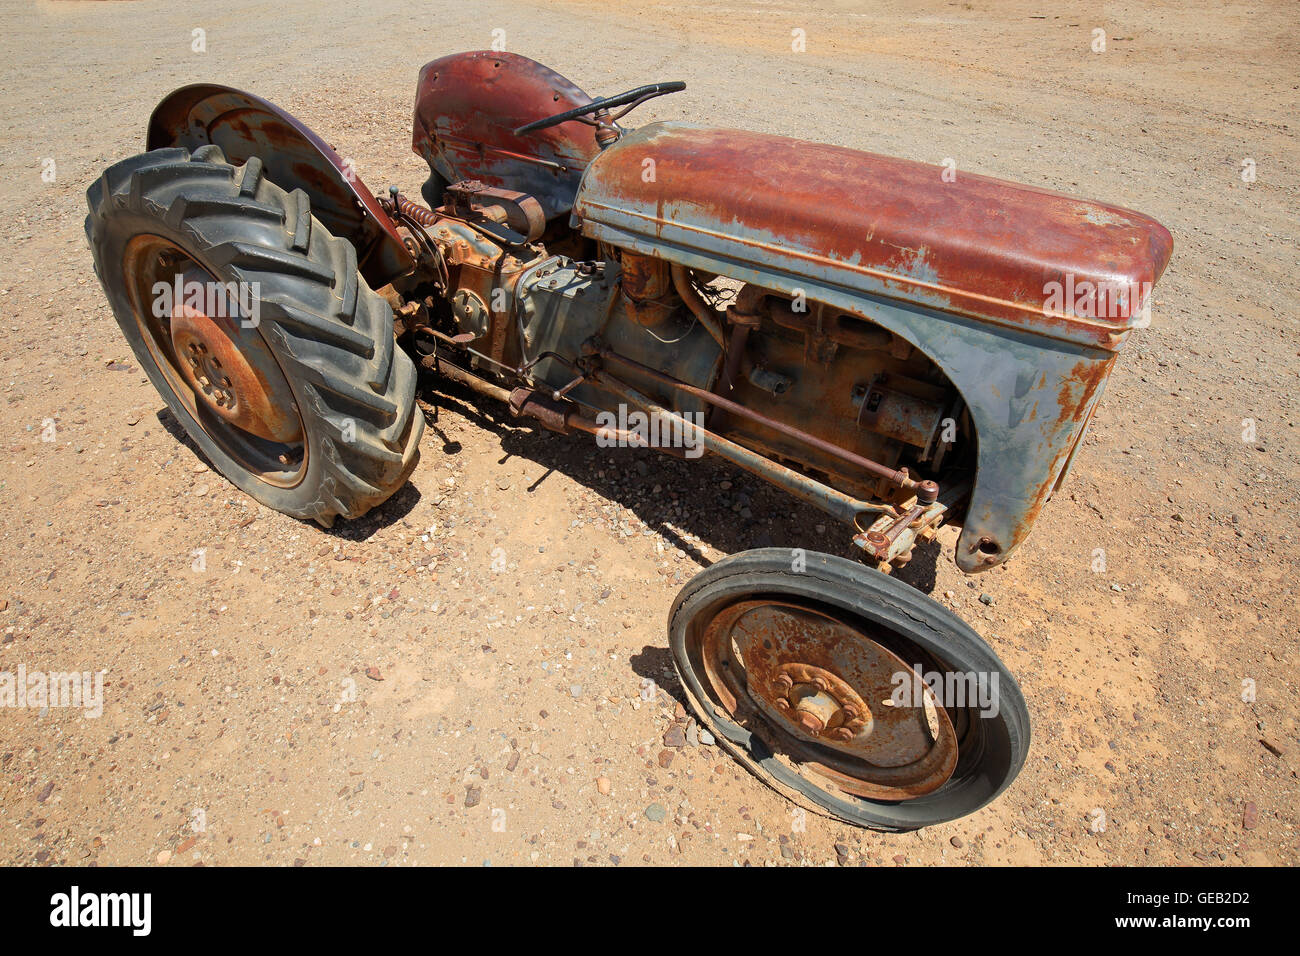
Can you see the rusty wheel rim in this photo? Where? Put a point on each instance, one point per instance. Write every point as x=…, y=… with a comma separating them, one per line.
x=217, y=364
x=828, y=695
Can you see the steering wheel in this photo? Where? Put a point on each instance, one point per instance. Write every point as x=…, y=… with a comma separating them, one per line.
x=632, y=99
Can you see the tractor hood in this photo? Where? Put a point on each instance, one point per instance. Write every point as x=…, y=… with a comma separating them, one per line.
x=1021, y=296
x=864, y=224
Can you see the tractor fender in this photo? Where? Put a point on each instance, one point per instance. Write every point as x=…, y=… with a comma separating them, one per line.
x=293, y=157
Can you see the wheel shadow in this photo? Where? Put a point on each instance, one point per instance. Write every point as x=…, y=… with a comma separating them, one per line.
x=402, y=503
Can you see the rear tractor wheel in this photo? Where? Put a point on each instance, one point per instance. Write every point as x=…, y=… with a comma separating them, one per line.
x=253, y=324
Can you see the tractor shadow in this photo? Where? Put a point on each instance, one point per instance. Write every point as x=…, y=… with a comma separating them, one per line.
x=747, y=514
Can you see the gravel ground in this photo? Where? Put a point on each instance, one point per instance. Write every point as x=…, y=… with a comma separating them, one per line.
x=461, y=676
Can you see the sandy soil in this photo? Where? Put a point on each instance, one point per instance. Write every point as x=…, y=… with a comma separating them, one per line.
x=240, y=724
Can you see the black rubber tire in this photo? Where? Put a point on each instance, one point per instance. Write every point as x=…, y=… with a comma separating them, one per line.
x=332, y=335
x=861, y=593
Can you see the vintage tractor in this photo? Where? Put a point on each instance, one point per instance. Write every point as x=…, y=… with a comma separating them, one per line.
x=896, y=345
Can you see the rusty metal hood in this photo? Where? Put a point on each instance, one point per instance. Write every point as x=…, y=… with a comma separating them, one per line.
x=1014, y=256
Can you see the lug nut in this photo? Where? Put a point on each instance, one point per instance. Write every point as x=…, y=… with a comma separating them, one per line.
x=808, y=722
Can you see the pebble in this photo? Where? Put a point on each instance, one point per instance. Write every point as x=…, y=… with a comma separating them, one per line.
x=675, y=737
x=986, y=598
x=1250, y=816
x=602, y=785
x=655, y=813
x=164, y=856
x=957, y=842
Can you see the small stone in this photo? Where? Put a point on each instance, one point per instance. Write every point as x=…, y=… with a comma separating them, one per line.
x=693, y=735
x=1250, y=816
x=472, y=796
x=655, y=813
x=163, y=857
x=986, y=598
x=373, y=673
x=957, y=842
x=706, y=738
x=675, y=737
x=665, y=758
x=575, y=690
x=602, y=785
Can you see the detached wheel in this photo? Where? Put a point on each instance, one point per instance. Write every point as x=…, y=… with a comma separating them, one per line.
x=253, y=324
x=846, y=690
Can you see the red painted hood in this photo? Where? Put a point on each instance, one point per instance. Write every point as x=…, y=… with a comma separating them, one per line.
x=1008, y=254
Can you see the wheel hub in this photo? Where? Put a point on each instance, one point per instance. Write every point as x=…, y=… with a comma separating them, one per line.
x=820, y=702
x=832, y=689
x=232, y=372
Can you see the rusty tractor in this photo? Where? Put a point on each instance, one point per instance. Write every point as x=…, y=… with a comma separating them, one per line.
x=899, y=348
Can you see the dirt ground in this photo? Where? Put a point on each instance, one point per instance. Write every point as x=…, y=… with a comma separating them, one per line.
x=242, y=721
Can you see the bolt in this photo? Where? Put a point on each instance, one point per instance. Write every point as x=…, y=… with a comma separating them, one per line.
x=842, y=733
x=850, y=712
x=784, y=683
x=807, y=721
